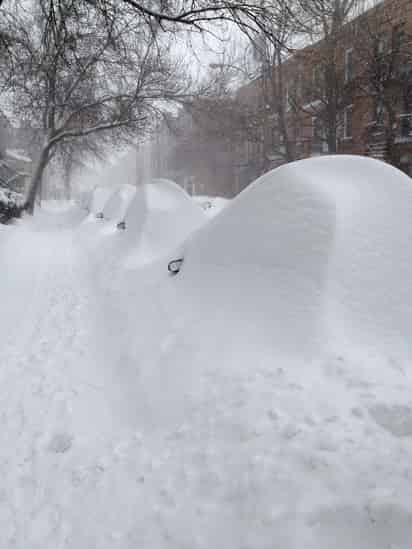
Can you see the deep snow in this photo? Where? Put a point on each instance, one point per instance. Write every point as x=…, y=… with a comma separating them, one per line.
x=212, y=205
x=320, y=251
x=159, y=218
x=224, y=406
x=118, y=202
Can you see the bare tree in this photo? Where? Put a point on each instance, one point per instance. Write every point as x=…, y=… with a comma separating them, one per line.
x=279, y=97
x=328, y=89
x=384, y=51
x=254, y=118
x=252, y=18
x=77, y=78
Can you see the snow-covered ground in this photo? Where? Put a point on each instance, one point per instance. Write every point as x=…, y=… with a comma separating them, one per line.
x=212, y=205
x=259, y=399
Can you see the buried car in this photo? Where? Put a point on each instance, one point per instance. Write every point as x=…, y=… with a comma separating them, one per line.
x=160, y=217
x=314, y=251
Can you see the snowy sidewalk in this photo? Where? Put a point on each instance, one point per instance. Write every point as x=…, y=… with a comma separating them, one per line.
x=54, y=408
x=126, y=424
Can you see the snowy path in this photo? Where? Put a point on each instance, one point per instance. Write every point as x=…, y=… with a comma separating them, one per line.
x=55, y=409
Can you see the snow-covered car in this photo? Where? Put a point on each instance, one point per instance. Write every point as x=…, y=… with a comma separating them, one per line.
x=316, y=249
x=100, y=196
x=117, y=204
x=160, y=217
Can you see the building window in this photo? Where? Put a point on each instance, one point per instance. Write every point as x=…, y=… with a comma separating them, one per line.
x=398, y=37
x=405, y=124
x=406, y=163
x=347, y=122
x=349, y=65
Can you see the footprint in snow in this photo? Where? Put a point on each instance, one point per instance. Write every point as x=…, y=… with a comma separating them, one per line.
x=60, y=443
x=396, y=419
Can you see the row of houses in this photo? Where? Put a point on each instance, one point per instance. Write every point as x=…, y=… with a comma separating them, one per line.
x=349, y=92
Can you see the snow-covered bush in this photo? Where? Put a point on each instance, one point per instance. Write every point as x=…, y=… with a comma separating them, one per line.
x=10, y=205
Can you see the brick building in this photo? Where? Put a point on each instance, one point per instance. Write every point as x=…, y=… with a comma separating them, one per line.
x=349, y=93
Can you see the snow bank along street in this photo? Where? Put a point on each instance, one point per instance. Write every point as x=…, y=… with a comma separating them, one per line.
x=259, y=399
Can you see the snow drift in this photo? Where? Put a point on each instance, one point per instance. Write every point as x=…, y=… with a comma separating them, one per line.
x=144, y=410
x=261, y=264
x=319, y=250
x=160, y=217
x=157, y=216
x=114, y=190
x=100, y=196
x=118, y=202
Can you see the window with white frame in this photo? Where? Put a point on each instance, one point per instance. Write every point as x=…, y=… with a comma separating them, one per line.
x=348, y=122
x=349, y=65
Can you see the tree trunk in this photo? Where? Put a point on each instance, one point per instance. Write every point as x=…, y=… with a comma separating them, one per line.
x=282, y=108
x=36, y=180
x=67, y=187
x=331, y=138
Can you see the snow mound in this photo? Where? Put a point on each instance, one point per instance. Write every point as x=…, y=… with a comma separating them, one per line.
x=313, y=251
x=370, y=271
x=10, y=204
x=84, y=199
x=100, y=197
x=163, y=194
x=116, y=206
x=136, y=403
x=212, y=205
x=160, y=217
x=262, y=262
